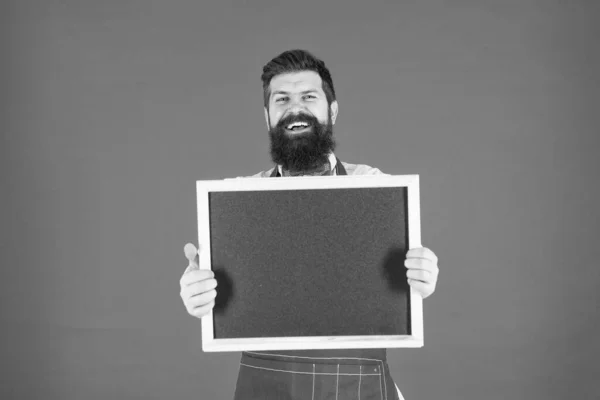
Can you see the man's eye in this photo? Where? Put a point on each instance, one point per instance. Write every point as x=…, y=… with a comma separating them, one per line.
x=281, y=99
x=310, y=96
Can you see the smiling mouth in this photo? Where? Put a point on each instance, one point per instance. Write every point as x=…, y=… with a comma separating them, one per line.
x=298, y=127
x=299, y=130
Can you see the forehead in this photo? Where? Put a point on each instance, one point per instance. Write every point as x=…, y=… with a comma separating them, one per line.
x=296, y=82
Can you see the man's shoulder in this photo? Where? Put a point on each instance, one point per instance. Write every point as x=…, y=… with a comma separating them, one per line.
x=351, y=169
x=361, y=169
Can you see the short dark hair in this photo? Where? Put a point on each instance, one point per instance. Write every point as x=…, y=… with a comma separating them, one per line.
x=296, y=61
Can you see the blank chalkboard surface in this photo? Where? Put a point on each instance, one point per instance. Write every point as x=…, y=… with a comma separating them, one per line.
x=310, y=262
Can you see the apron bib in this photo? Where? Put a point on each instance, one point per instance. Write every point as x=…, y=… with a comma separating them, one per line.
x=339, y=170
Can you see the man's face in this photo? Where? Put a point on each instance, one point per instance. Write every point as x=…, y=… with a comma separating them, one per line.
x=300, y=121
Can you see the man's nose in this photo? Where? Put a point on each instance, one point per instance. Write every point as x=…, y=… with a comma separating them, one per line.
x=296, y=108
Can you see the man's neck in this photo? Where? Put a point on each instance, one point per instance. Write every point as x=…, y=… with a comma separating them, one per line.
x=324, y=169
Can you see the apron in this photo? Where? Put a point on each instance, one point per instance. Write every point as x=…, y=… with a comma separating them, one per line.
x=336, y=374
x=339, y=170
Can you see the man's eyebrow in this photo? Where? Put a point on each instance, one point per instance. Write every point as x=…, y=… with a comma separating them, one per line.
x=303, y=92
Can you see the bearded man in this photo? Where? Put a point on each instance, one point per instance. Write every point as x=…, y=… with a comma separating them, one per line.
x=300, y=111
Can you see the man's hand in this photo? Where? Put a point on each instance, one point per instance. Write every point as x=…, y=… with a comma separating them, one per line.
x=197, y=286
x=422, y=271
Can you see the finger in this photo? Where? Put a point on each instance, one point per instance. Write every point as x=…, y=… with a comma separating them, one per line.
x=197, y=288
x=420, y=263
x=195, y=275
x=191, y=253
x=202, y=299
x=202, y=311
x=422, y=252
x=414, y=263
x=196, y=294
x=419, y=275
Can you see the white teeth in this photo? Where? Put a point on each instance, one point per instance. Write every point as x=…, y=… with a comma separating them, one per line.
x=290, y=126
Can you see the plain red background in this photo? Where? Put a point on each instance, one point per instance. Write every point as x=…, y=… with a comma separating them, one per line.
x=111, y=110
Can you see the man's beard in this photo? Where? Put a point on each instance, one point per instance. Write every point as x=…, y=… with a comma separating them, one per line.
x=304, y=151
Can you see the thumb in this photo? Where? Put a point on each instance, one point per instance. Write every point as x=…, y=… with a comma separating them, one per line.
x=191, y=253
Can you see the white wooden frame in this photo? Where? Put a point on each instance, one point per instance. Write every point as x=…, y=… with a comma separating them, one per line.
x=411, y=182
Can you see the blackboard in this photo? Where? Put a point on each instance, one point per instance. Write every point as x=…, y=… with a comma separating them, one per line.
x=310, y=262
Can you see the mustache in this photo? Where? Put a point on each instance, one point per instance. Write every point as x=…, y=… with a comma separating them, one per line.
x=300, y=117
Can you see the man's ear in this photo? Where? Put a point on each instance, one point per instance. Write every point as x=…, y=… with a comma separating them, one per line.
x=334, y=111
x=267, y=118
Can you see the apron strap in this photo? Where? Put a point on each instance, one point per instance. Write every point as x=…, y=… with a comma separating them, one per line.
x=339, y=170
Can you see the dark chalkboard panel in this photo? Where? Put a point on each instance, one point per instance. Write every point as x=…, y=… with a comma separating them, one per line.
x=309, y=262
